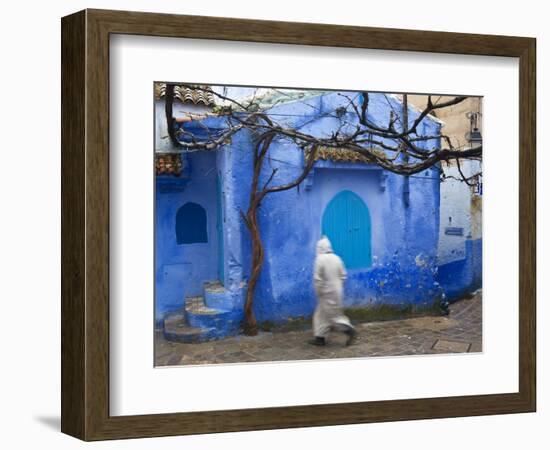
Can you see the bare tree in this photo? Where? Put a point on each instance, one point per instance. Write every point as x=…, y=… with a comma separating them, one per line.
x=392, y=147
x=257, y=194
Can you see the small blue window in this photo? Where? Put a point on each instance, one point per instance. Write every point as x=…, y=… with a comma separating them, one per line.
x=191, y=224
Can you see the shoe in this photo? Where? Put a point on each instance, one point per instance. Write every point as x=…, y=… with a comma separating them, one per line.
x=352, y=336
x=319, y=341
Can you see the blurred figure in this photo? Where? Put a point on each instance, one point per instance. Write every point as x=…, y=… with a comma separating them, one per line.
x=328, y=277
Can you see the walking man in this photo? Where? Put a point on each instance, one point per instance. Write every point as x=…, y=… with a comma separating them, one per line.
x=328, y=277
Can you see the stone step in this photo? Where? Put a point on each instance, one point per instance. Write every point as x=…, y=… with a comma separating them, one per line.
x=195, y=305
x=201, y=316
x=197, y=322
x=214, y=286
x=216, y=296
x=177, y=330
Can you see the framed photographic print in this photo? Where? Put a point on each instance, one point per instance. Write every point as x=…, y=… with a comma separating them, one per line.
x=271, y=225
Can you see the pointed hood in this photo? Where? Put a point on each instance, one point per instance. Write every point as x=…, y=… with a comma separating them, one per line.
x=324, y=246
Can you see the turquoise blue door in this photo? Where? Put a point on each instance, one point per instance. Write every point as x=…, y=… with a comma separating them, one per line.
x=346, y=222
x=219, y=227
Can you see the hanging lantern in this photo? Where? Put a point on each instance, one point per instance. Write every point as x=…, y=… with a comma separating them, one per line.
x=474, y=135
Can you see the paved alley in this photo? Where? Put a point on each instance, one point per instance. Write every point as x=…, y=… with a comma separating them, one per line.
x=459, y=332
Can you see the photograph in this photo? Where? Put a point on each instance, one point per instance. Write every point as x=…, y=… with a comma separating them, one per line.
x=306, y=224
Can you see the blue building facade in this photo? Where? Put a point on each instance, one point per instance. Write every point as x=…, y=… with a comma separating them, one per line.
x=384, y=226
x=460, y=238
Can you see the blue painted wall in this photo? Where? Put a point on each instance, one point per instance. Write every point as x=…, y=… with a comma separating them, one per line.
x=463, y=276
x=403, y=238
x=181, y=269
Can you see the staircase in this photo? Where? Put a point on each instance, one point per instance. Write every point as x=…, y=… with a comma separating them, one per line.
x=200, y=321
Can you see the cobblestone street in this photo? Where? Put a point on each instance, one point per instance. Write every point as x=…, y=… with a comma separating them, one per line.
x=459, y=332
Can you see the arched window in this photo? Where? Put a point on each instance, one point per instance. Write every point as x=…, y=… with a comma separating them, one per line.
x=346, y=222
x=191, y=224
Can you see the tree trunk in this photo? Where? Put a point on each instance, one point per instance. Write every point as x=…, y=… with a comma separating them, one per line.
x=251, y=220
x=250, y=324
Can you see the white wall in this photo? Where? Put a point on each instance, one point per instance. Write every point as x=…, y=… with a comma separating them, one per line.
x=30, y=237
x=456, y=211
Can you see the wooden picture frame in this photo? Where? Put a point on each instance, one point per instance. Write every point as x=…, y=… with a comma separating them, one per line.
x=85, y=224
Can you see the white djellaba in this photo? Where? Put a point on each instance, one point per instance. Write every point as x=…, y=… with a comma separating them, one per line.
x=328, y=278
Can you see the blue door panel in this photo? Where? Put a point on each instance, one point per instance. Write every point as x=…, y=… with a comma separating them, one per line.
x=347, y=224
